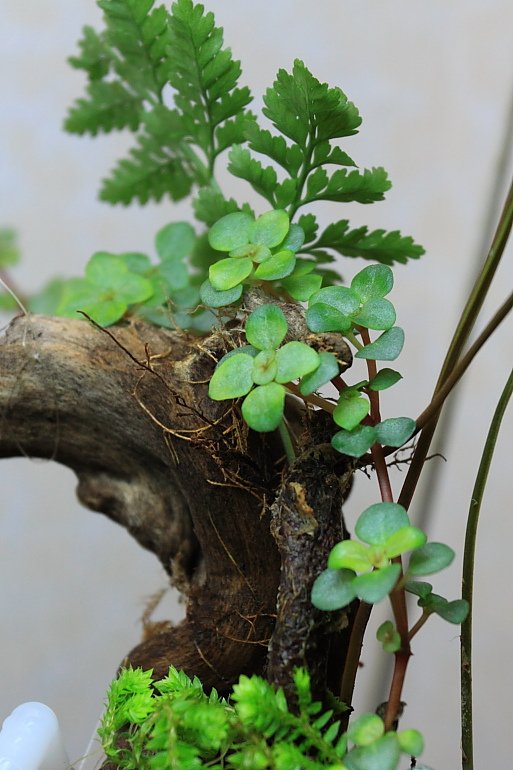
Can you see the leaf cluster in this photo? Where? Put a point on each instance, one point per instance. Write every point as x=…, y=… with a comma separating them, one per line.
x=260, y=370
x=366, y=570
x=114, y=285
x=142, y=52
x=174, y=723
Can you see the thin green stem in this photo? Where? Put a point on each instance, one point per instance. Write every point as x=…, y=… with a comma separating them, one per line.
x=418, y=625
x=303, y=174
x=286, y=440
x=463, y=329
x=468, y=575
x=327, y=406
x=353, y=339
x=463, y=364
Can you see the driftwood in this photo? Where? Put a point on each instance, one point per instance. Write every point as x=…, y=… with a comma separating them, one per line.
x=127, y=410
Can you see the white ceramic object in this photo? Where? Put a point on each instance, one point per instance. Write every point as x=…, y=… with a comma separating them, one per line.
x=30, y=739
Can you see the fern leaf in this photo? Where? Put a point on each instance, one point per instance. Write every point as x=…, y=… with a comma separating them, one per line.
x=299, y=105
x=230, y=133
x=210, y=205
x=203, y=73
x=110, y=106
x=95, y=57
x=378, y=245
x=275, y=147
x=263, y=179
x=156, y=167
x=366, y=187
x=140, y=36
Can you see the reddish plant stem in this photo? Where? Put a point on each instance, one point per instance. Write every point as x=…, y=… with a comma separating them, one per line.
x=398, y=595
x=394, y=697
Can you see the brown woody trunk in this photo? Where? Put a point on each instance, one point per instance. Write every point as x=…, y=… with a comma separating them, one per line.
x=241, y=536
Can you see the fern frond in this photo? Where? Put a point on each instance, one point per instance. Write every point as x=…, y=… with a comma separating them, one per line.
x=379, y=245
x=139, y=36
x=157, y=166
x=95, y=57
x=110, y=106
x=204, y=75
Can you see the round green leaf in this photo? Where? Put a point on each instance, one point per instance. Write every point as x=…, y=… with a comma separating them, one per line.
x=379, y=521
x=366, y=729
x=232, y=378
x=295, y=359
x=77, y=294
x=342, y=298
x=136, y=262
x=264, y=367
x=324, y=318
x=263, y=407
x=333, y=590
x=266, y=327
x=386, y=348
x=348, y=554
x=231, y=231
x=373, y=282
x=431, y=558
x=405, y=539
x=327, y=369
x=248, y=350
x=251, y=251
x=356, y=442
x=419, y=588
x=302, y=287
x=131, y=288
x=389, y=637
x=395, y=431
x=376, y=314
x=213, y=298
x=106, y=312
x=228, y=272
x=175, y=241
x=384, y=379
x=372, y=587
x=351, y=409
x=103, y=269
x=294, y=239
x=303, y=267
x=174, y=274
x=270, y=228
x=411, y=742
x=277, y=266
x=383, y=754
x=453, y=612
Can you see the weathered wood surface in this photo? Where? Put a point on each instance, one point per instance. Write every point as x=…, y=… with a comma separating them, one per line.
x=128, y=411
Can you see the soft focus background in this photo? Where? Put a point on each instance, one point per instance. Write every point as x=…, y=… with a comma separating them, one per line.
x=433, y=81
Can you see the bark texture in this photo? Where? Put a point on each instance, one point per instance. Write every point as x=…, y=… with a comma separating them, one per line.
x=127, y=409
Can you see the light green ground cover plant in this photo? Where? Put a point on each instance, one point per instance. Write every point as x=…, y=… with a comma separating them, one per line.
x=206, y=276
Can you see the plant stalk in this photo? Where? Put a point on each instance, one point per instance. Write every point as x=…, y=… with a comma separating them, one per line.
x=463, y=329
x=468, y=575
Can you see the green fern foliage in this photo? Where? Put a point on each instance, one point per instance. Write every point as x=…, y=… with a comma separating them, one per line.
x=377, y=245
x=143, y=52
x=174, y=723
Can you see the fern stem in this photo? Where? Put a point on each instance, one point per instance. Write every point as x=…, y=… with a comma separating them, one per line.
x=468, y=575
x=463, y=329
x=463, y=364
x=303, y=175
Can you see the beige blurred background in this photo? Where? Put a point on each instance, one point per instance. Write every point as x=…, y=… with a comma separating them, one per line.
x=433, y=81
